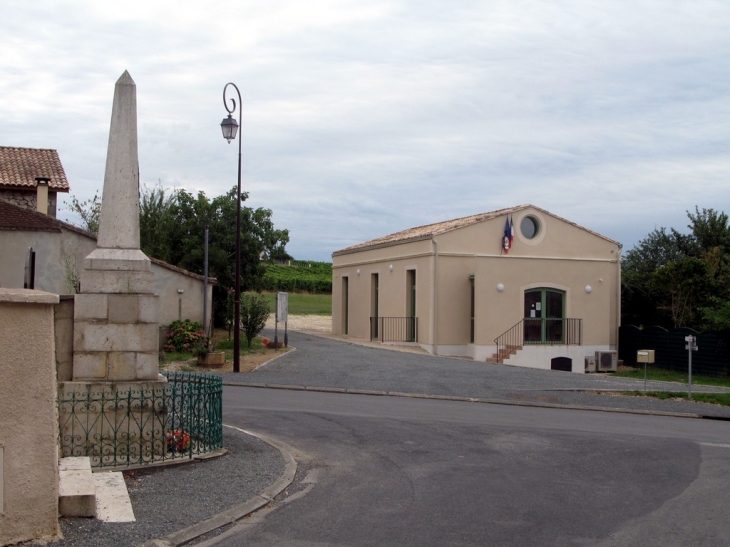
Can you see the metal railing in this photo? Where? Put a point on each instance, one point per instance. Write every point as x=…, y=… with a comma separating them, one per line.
x=129, y=428
x=545, y=332
x=394, y=329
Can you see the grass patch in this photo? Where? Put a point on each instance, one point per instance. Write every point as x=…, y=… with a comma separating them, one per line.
x=659, y=374
x=713, y=398
x=303, y=303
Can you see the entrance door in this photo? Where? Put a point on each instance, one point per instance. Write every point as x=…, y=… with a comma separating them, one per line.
x=544, y=316
x=411, y=334
x=374, y=287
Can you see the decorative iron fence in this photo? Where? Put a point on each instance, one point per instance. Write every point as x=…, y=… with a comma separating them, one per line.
x=394, y=329
x=137, y=427
x=546, y=332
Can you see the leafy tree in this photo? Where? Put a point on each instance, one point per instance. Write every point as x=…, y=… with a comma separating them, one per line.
x=254, y=313
x=89, y=211
x=675, y=279
x=172, y=228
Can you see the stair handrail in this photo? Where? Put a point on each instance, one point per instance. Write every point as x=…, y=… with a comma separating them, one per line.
x=513, y=335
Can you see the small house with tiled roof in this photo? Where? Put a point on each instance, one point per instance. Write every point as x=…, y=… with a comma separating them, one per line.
x=31, y=178
x=518, y=286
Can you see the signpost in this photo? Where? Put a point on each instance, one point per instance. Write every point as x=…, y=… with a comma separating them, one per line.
x=690, y=347
x=282, y=314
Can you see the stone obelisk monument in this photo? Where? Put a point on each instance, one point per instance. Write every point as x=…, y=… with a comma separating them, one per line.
x=116, y=315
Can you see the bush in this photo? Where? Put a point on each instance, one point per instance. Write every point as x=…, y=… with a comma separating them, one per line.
x=254, y=313
x=185, y=337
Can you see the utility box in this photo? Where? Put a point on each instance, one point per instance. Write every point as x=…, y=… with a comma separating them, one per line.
x=645, y=356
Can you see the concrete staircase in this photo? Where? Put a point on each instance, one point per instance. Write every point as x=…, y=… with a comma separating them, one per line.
x=504, y=354
x=82, y=493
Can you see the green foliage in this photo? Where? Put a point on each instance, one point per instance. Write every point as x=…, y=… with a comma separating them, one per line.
x=172, y=228
x=254, y=313
x=89, y=211
x=680, y=280
x=186, y=337
x=304, y=303
x=314, y=277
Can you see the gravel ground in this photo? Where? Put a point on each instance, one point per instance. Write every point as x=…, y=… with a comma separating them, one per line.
x=168, y=499
x=323, y=362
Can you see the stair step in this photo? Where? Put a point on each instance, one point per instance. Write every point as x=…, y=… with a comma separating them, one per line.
x=76, y=488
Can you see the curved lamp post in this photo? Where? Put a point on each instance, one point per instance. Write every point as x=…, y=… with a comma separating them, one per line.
x=229, y=126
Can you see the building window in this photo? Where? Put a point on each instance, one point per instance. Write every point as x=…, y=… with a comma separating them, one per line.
x=530, y=227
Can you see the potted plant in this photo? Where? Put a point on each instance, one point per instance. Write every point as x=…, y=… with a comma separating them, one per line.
x=208, y=357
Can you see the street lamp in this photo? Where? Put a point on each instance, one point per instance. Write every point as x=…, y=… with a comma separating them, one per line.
x=229, y=126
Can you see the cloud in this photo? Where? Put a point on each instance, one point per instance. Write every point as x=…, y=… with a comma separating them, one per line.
x=364, y=118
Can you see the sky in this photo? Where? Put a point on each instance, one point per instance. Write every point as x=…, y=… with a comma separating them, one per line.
x=363, y=118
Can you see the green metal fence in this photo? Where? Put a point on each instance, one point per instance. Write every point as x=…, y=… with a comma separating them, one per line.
x=127, y=427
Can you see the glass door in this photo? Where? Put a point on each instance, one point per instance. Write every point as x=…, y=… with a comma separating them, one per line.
x=544, y=316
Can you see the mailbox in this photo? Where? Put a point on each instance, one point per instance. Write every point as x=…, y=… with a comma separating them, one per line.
x=645, y=356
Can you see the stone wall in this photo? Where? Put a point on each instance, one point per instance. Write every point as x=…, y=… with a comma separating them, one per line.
x=27, y=200
x=28, y=426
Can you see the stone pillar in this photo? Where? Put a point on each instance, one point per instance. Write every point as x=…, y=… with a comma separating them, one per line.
x=28, y=428
x=116, y=315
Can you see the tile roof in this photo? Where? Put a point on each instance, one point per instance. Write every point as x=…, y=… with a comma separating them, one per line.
x=431, y=230
x=13, y=217
x=19, y=168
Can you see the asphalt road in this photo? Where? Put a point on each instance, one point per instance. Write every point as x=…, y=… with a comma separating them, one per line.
x=397, y=471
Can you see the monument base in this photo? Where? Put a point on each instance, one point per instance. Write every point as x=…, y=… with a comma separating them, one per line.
x=114, y=424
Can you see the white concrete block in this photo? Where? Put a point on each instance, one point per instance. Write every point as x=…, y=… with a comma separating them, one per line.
x=89, y=365
x=76, y=493
x=117, y=282
x=147, y=366
x=112, y=498
x=90, y=337
x=121, y=366
x=149, y=308
x=90, y=306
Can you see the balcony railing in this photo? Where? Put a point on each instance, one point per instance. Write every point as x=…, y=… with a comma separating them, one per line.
x=394, y=329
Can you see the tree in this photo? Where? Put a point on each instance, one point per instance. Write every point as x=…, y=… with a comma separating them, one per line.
x=89, y=211
x=172, y=228
x=254, y=313
x=678, y=280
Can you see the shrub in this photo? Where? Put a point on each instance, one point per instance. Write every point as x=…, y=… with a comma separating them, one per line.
x=254, y=313
x=185, y=337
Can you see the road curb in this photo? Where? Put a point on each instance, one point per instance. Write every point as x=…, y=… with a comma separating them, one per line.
x=236, y=513
x=481, y=400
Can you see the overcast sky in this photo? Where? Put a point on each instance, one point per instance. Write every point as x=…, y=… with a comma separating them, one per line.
x=362, y=118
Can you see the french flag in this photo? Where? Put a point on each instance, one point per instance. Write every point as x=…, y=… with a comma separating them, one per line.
x=508, y=236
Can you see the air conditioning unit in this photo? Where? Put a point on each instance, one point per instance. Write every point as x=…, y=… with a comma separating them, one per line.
x=590, y=363
x=606, y=361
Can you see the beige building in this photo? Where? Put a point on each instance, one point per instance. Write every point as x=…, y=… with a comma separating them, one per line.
x=545, y=297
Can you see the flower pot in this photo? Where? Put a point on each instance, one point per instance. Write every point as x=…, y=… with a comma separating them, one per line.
x=212, y=359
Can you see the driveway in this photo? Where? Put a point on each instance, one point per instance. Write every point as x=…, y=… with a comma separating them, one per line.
x=321, y=362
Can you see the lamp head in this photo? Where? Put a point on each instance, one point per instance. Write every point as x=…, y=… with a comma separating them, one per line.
x=229, y=126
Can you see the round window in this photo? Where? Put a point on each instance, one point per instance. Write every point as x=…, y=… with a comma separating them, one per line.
x=530, y=227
